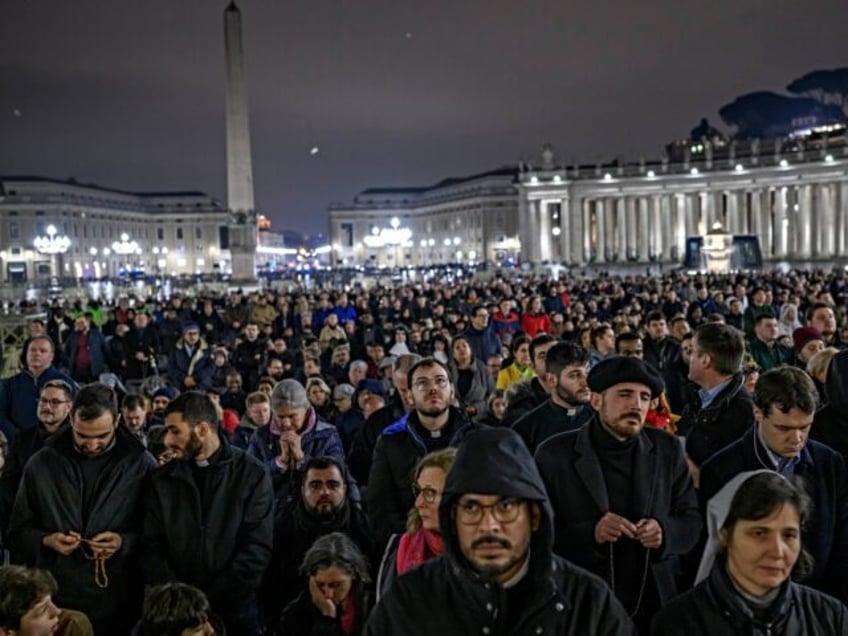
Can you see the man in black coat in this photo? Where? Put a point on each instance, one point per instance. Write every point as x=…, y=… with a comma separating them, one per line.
x=567, y=366
x=623, y=500
x=209, y=515
x=365, y=439
x=784, y=407
x=327, y=502
x=723, y=409
x=78, y=512
x=498, y=574
x=432, y=425
x=54, y=410
x=142, y=347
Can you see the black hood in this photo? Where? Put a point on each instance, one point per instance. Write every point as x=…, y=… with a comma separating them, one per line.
x=836, y=386
x=495, y=461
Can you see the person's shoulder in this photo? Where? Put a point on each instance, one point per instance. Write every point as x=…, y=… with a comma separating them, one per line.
x=556, y=445
x=662, y=439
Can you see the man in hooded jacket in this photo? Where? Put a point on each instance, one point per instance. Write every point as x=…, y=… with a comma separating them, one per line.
x=498, y=574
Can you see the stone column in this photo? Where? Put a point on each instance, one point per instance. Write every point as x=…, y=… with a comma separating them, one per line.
x=805, y=220
x=765, y=208
x=544, y=237
x=565, y=226
x=523, y=221
x=644, y=236
x=734, y=219
x=601, y=206
x=620, y=230
x=690, y=227
x=708, y=211
x=677, y=245
x=630, y=228
x=586, y=240
x=827, y=218
x=780, y=223
x=841, y=229
x=660, y=227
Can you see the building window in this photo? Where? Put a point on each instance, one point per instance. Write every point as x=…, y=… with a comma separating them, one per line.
x=14, y=230
x=160, y=234
x=198, y=233
x=179, y=234
x=223, y=237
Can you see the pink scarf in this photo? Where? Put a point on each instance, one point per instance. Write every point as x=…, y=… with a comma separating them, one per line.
x=418, y=547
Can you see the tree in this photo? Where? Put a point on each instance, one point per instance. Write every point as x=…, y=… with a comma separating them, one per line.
x=825, y=86
x=768, y=114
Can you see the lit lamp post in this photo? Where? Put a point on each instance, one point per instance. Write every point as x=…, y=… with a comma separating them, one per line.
x=54, y=244
x=394, y=237
x=125, y=246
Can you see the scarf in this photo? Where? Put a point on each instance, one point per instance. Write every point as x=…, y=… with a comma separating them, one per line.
x=315, y=525
x=418, y=547
x=348, y=616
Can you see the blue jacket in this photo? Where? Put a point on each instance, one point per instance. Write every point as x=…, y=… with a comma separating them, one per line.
x=484, y=342
x=19, y=397
x=179, y=365
x=320, y=440
x=96, y=351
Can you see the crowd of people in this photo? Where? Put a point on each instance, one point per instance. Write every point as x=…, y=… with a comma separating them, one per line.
x=619, y=455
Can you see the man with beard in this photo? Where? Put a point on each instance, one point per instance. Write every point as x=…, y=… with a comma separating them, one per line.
x=275, y=369
x=567, y=409
x=209, y=515
x=161, y=398
x=433, y=424
x=54, y=409
x=820, y=315
x=77, y=512
x=19, y=393
x=623, y=500
x=498, y=573
x=326, y=502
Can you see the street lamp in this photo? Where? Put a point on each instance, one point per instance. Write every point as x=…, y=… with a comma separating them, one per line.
x=54, y=244
x=394, y=236
x=125, y=246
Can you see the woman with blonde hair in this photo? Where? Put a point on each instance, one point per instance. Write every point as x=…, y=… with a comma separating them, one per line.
x=422, y=540
x=319, y=394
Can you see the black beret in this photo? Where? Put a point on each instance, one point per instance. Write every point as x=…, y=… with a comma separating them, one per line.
x=620, y=369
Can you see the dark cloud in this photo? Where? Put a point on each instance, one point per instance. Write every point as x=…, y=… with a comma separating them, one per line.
x=130, y=94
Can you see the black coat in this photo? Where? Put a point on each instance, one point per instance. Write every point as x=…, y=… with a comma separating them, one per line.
x=146, y=342
x=302, y=618
x=294, y=534
x=50, y=499
x=526, y=396
x=223, y=549
x=27, y=444
x=573, y=476
x=389, y=495
x=549, y=419
x=715, y=607
x=444, y=596
x=826, y=479
x=365, y=439
x=724, y=421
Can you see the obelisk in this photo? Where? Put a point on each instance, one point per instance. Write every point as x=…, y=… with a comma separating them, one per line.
x=242, y=224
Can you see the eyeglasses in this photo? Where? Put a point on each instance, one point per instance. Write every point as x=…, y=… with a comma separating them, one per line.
x=52, y=403
x=424, y=384
x=429, y=494
x=470, y=513
x=331, y=484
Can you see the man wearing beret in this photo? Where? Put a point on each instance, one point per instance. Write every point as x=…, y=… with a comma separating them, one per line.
x=624, y=504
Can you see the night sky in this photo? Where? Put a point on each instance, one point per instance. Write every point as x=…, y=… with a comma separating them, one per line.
x=130, y=93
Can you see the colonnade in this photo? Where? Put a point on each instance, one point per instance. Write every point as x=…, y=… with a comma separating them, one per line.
x=576, y=224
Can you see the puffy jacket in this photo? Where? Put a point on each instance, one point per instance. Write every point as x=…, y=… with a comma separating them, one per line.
x=715, y=607
x=445, y=596
x=523, y=397
x=50, y=499
x=319, y=439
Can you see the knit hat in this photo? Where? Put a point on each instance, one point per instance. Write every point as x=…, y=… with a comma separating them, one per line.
x=802, y=335
x=190, y=326
x=343, y=390
x=372, y=386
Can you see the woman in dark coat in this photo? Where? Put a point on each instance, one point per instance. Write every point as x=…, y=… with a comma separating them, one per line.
x=748, y=587
x=337, y=602
x=470, y=377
